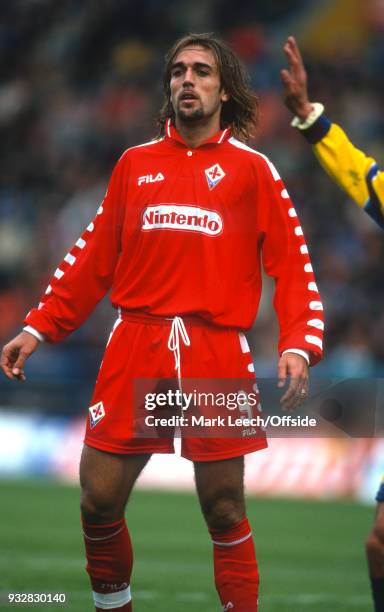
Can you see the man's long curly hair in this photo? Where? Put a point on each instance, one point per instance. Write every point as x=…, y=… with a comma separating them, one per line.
x=240, y=111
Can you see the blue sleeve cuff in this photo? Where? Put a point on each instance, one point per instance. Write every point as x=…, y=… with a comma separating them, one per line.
x=318, y=130
x=373, y=207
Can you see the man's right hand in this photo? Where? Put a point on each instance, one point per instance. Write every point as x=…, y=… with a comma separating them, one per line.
x=295, y=81
x=15, y=354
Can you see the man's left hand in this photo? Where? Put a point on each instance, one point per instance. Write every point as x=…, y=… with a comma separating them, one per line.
x=296, y=368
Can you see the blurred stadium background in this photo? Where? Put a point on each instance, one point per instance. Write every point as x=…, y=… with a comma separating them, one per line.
x=81, y=82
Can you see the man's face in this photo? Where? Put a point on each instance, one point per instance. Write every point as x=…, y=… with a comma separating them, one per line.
x=195, y=85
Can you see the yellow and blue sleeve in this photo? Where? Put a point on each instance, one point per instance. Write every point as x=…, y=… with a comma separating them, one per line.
x=355, y=172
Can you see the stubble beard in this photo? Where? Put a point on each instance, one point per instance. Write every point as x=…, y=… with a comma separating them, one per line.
x=190, y=117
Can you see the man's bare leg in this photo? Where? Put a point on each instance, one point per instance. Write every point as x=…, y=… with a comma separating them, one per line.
x=107, y=480
x=220, y=487
x=375, y=557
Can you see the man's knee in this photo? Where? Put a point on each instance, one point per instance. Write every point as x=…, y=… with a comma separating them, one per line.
x=106, y=482
x=375, y=542
x=223, y=512
x=375, y=545
x=221, y=491
x=97, y=507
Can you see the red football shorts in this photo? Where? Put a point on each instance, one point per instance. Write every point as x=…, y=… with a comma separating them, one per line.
x=145, y=347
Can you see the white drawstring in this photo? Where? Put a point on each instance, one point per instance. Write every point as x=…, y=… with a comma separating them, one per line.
x=177, y=330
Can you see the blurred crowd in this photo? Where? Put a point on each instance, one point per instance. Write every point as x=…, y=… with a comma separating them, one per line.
x=81, y=82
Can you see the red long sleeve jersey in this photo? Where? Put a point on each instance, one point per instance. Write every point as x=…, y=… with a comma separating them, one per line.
x=182, y=232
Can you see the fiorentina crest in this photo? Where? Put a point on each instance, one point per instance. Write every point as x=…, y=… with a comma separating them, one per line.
x=214, y=174
x=96, y=413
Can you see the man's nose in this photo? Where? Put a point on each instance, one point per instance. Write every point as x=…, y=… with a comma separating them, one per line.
x=188, y=77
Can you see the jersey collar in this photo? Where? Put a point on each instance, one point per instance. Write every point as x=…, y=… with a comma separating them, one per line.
x=218, y=138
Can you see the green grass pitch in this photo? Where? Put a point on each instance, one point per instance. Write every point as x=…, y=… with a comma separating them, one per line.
x=311, y=554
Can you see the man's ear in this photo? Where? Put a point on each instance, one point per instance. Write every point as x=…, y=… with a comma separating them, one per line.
x=224, y=96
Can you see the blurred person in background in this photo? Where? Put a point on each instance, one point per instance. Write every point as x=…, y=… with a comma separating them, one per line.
x=362, y=179
x=179, y=239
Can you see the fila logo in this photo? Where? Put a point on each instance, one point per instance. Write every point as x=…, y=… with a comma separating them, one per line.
x=96, y=413
x=214, y=174
x=149, y=178
x=108, y=586
x=179, y=217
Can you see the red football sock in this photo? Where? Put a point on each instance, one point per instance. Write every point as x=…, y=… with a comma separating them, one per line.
x=110, y=558
x=236, y=573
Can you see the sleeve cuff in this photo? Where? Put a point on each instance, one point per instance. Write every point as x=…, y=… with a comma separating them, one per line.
x=304, y=124
x=300, y=352
x=34, y=332
x=316, y=130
